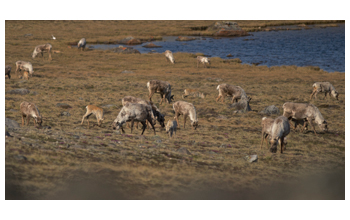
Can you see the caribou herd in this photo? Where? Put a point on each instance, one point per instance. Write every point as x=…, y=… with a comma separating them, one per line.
x=147, y=113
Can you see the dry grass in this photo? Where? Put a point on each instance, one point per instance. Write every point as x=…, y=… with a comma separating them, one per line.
x=70, y=158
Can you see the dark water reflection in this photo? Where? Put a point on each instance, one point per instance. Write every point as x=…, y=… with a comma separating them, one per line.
x=323, y=47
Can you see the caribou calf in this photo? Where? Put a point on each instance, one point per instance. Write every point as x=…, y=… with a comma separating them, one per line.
x=82, y=44
x=133, y=112
x=41, y=49
x=98, y=112
x=171, y=128
x=325, y=87
x=161, y=87
x=193, y=93
x=280, y=129
x=229, y=90
x=24, y=65
x=304, y=111
x=8, y=71
x=186, y=109
x=169, y=56
x=203, y=60
x=30, y=110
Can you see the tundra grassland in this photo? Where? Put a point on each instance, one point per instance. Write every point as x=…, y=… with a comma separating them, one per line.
x=69, y=161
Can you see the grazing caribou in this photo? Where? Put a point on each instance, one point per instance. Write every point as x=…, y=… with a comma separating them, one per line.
x=156, y=114
x=280, y=129
x=304, y=111
x=30, y=110
x=193, y=93
x=171, y=128
x=325, y=87
x=186, y=109
x=133, y=112
x=8, y=71
x=203, y=60
x=169, y=56
x=24, y=65
x=229, y=90
x=266, y=124
x=98, y=112
x=41, y=49
x=161, y=87
x=82, y=44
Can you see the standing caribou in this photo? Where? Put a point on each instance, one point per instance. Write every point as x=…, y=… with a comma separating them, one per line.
x=30, y=110
x=133, y=112
x=169, y=56
x=41, y=49
x=229, y=90
x=185, y=109
x=8, y=71
x=203, y=60
x=161, y=87
x=325, y=87
x=304, y=111
x=82, y=44
x=24, y=65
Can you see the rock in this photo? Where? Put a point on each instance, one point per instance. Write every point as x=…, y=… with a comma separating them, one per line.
x=33, y=93
x=229, y=55
x=63, y=105
x=125, y=40
x=151, y=45
x=241, y=107
x=133, y=42
x=20, y=157
x=227, y=29
x=269, y=110
x=19, y=91
x=126, y=50
x=180, y=38
x=65, y=114
x=127, y=71
x=13, y=110
x=158, y=141
x=28, y=35
x=252, y=158
x=7, y=134
x=11, y=124
x=108, y=106
x=46, y=127
x=221, y=117
x=183, y=150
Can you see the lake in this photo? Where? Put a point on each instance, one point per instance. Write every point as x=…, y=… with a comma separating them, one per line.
x=323, y=47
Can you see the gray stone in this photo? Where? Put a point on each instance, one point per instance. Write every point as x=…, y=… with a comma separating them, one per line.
x=241, y=107
x=252, y=158
x=63, y=105
x=19, y=91
x=269, y=110
x=128, y=50
x=108, y=106
x=20, y=157
x=65, y=114
x=11, y=124
x=33, y=93
x=7, y=134
x=127, y=71
x=183, y=150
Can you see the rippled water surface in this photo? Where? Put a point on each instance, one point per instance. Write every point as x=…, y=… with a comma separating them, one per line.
x=323, y=47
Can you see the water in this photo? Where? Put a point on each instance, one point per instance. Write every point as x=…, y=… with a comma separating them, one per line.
x=323, y=47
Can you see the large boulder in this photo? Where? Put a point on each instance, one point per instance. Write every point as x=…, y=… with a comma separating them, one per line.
x=242, y=106
x=126, y=50
x=180, y=38
x=227, y=29
x=151, y=45
x=270, y=110
x=19, y=91
x=133, y=42
x=11, y=124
